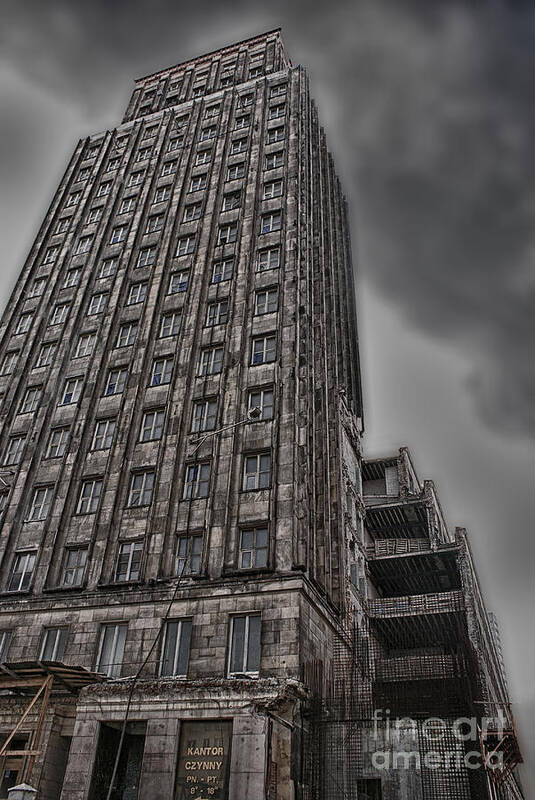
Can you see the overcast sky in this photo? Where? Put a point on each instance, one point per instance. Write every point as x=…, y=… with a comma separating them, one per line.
x=430, y=112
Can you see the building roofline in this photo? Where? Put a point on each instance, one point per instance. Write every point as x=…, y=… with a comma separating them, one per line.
x=232, y=46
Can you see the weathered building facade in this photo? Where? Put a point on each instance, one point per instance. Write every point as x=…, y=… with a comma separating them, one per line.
x=181, y=489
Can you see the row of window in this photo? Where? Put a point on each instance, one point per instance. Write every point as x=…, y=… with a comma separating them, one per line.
x=252, y=554
x=263, y=351
x=256, y=476
x=268, y=222
x=169, y=167
x=243, y=656
x=152, y=425
x=266, y=301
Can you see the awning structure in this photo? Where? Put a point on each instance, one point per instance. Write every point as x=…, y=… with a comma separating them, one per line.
x=36, y=680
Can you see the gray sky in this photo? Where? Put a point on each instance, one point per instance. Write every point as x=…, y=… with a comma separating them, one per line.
x=430, y=112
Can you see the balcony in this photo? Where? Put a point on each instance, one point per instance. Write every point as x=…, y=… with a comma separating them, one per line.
x=416, y=605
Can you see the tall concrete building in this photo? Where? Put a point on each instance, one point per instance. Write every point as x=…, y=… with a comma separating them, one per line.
x=181, y=482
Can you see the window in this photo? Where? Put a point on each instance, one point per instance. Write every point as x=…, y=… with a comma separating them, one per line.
x=46, y=354
x=24, y=324
x=175, y=651
x=116, y=382
x=271, y=222
x=37, y=288
x=226, y=80
x=275, y=112
x=152, y=426
x=104, y=433
x=150, y=131
x=208, y=133
x=211, y=361
x=143, y=153
x=274, y=160
x=211, y=111
x=113, y=164
x=127, y=334
x=85, y=345
x=178, y=282
x=204, y=157
x=245, y=100
x=137, y=294
x=170, y=324
x=262, y=399
x=111, y=649
x=272, y=189
x=238, y=146
x=71, y=391
x=278, y=91
x=57, y=443
x=51, y=255
x=244, y=652
x=268, y=259
x=168, y=168
x=40, y=505
x=188, y=554
x=97, y=304
x=266, y=301
x=5, y=641
x=118, y=234
x=197, y=183
x=185, y=246
x=84, y=245
x=162, y=194
x=198, y=91
x=197, y=481
x=217, y=313
x=236, y=171
x=255, y=72
x=141, y=487
x=128, y=204
x=275, y=135
x=223, y=270
x=8, y=364
x=154, y=224
x=31, y=400
x=84, y=174
x=128, y=561
x=21, y=572
x=253, y=548
x=257, y=472
x=242, y=122
x=104, y=189
x=72, y=199
x=192, y=212
x=147, y=256
x=136, y=178
x=204, y=414
x=94, y=216
x=162, y=370
x=71, y=278
x=54, y=642
x=227, y=234
x=231, y=201
x=175, y=143
x=108, y=268
x=74, y=566
x=264, y=350
x=15, y=448
x=89, y=497
x=63, y=225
